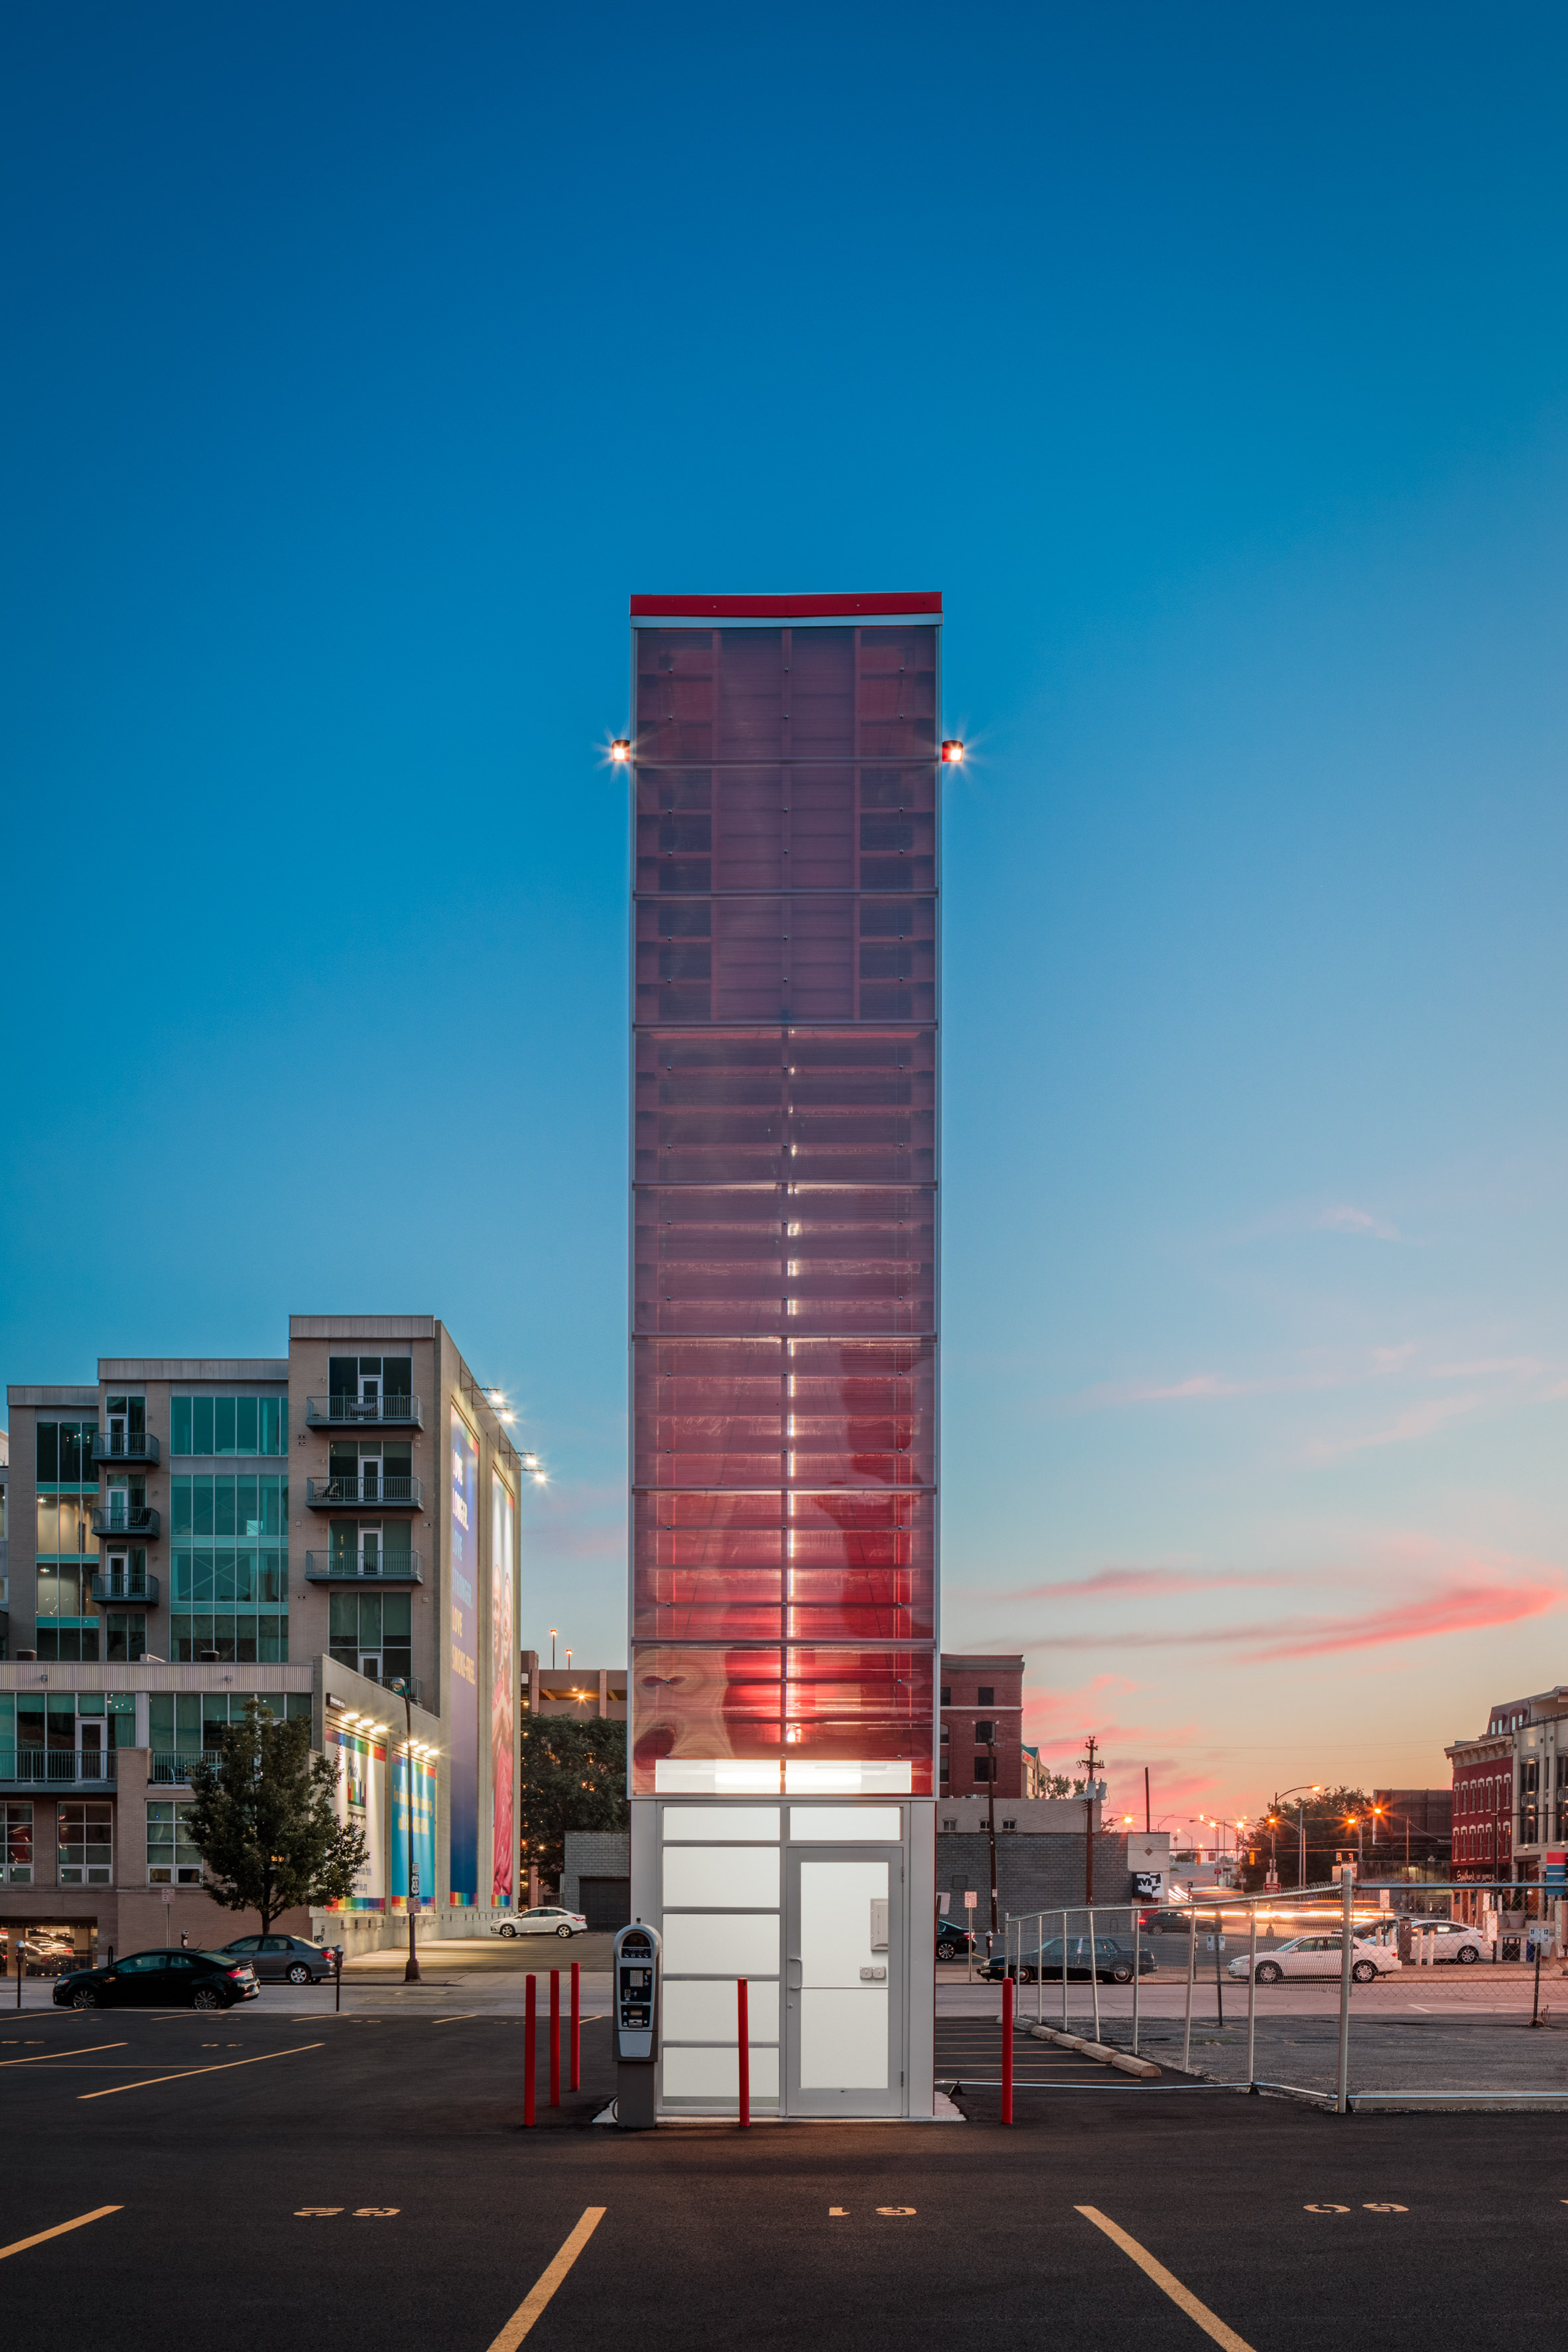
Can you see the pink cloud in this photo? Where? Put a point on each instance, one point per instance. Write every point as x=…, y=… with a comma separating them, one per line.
x=1453, y=1608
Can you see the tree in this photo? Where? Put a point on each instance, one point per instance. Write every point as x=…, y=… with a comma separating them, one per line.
x=1331, y=1816
x=574, y=1777
x=263, y=1821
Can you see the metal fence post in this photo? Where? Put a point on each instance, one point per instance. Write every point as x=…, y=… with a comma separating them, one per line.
x=529, y=2000
x=1347, y=1889
x=1137, y=1955
x=1064, y=1975
x=1252, y=2001
x=1006, y=2049
x=1192, y=1964
x=1094, y=1973
x=743, y=2049
x=1040, y=1969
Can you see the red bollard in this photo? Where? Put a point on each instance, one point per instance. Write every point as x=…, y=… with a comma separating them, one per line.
x=528, y=2050
x=576, y=2082
x=555, y=2037
x=1007, y=2050
x=743, y=2049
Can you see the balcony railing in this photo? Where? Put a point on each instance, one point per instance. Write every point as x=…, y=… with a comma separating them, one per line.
x=125, y=1445
x=385, y=1680
x=139, y=1521
x=353, y=1494
x=120, y=1585
x=164, y=1769
x=57, y=1767
x=379, y=1567
x=363, y=1413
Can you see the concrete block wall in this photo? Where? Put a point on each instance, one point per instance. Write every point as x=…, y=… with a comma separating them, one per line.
x=593, y=1854
x=1033, y=1874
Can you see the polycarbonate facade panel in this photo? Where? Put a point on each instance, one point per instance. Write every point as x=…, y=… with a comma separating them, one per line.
x=785, y=946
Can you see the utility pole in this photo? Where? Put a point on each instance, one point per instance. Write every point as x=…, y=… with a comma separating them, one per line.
x=991, y=1817
x=1148, y=1817
x=1089, y=1762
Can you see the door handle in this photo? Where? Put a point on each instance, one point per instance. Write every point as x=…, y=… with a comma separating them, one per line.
x=792, y=1966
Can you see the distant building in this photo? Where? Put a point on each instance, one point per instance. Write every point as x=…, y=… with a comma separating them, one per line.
x=1409, y=1826
x=982, y=1701
x=584, y=1693
x=1510, y=1793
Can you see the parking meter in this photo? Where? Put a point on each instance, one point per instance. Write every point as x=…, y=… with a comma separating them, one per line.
x=635, y=1977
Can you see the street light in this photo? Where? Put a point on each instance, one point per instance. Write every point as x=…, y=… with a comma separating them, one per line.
x=411, y=1967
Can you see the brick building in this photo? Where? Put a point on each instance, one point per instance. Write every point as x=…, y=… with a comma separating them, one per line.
x=982, y=1699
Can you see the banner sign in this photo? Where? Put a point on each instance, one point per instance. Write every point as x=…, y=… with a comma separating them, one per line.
x=424, y=1833
x=463, y=1682
x=503, y=1824
x=360, y=1797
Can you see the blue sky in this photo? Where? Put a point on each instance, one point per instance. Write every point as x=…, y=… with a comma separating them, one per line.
x=362, y=359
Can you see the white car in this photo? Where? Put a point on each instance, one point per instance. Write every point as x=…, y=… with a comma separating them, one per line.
x=1450, y=1940
x=1319, y=1956
x=543, y=1920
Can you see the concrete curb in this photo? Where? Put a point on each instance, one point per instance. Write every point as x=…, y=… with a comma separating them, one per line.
x=1096, y=2050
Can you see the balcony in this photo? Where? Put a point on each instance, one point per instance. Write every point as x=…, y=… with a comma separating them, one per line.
x=166, y=1770
x=374, y=1567
x=125, y=1445
x=57, y=1767
x=122, y=1587
x=133, y=1522
x=361, y=1412
x=383, y=1680
x=360, y=1494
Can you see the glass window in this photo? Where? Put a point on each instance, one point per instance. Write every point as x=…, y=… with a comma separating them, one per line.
x=86, y=1841
x=171, y=1859
x=16, y=1843
x=238, y=1425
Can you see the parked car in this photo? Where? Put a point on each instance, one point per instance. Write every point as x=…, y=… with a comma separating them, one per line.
x=543, y=1920
x=283, y=1960
x=953, y=1942
x=1113, y=1961
x=1165, y=1921
x=1452, y=1940
x=163, y=1980
x=1319, y=1956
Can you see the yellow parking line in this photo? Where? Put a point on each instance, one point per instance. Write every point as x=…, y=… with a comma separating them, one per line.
x=224, y=2068
x=1180, y=2295
x=60, y=2229
x=42, y=2058
x=457, y=2017
x=533, y=2303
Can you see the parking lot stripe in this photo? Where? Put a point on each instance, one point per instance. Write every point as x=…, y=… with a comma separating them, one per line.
x=529, y=2310
x=60, y=2229
x=1199, y=2313
x=224, y=2067
x=457, y=2017
x=68, y=2050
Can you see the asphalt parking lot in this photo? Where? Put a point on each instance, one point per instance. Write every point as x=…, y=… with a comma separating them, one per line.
x=269, y=2174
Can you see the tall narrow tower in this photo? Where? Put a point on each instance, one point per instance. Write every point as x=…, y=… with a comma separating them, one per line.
x=784, y=767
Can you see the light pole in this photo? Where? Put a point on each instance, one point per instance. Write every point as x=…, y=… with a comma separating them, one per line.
x=411, y=1966
x=1303, y=1790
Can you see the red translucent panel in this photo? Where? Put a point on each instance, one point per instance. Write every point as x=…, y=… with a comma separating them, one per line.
x=785, y=946
x=802, y=1104
x=808, y=1413
x=830, y=1258
x=838, y=1567
x=794, y=959
x=865, y=1703
x=807, y=693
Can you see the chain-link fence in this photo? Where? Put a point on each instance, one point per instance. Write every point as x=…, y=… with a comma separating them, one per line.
x=1349, y=1995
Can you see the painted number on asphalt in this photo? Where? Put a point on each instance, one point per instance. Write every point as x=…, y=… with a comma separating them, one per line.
x=1326, y=2208
x=1368, y=2208
x=1386, y=2208
x=895, y=2208
x=361, y=2213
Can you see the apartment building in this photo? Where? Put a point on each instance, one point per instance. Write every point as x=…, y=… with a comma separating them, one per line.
x=308, y=1530
x=1510, y=1818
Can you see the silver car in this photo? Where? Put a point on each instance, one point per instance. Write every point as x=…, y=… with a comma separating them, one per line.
x=1319, y=1956
x=543, y=1920
x=283, y=1960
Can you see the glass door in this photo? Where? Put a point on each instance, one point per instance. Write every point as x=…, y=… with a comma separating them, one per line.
x=370, y=1551
x=370, y=1387
x=844, y=1943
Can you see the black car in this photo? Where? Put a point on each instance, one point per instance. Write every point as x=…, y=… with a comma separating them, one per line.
x=951, y=1940
x=165, y=1979
x=1113, y=1961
